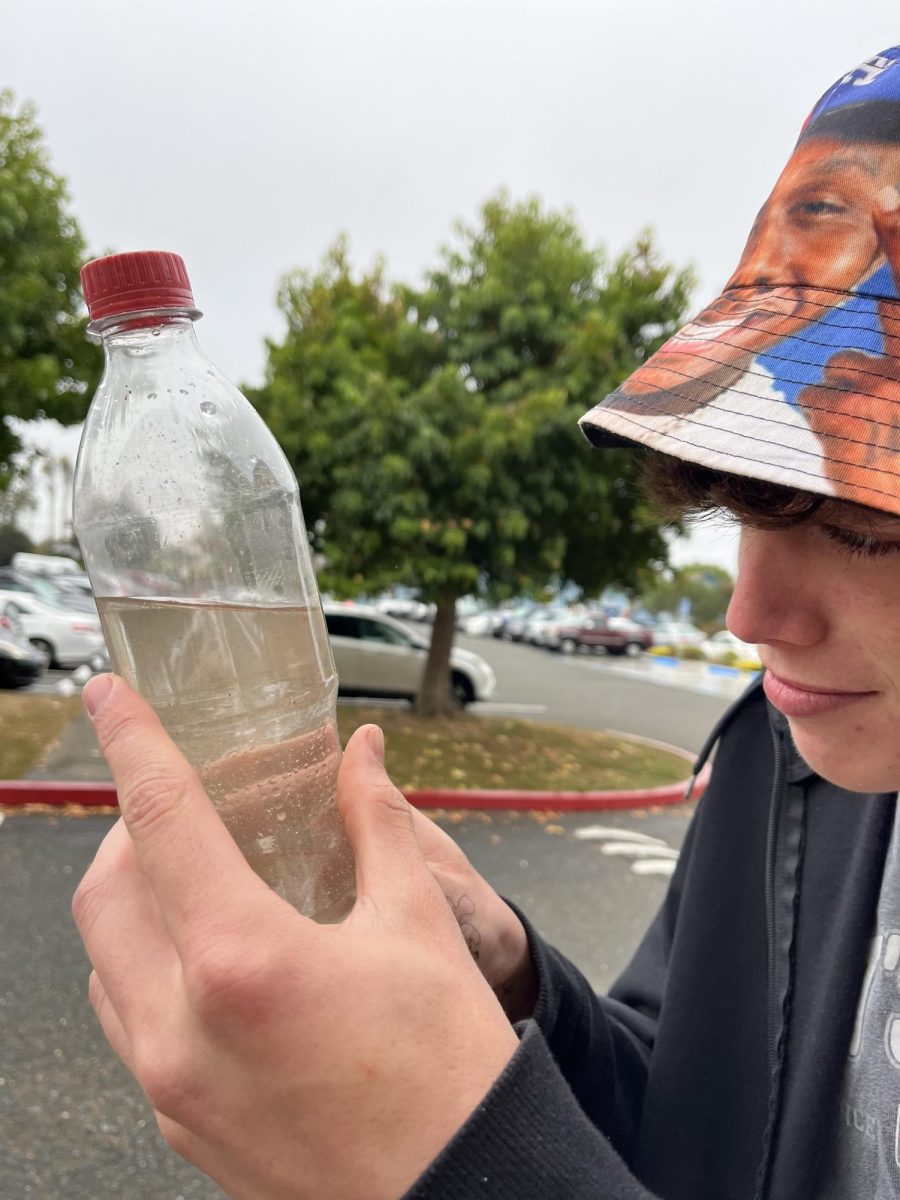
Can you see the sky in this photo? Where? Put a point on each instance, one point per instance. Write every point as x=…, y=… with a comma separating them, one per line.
x=248, y=134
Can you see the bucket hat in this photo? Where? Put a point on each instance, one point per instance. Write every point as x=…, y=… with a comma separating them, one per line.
x=792, y=374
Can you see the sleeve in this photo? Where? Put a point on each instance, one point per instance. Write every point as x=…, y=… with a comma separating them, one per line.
x=602, y=1045
x=560, y=1122
x=528, y=1138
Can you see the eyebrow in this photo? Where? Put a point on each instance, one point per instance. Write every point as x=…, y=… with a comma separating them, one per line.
x=835, y=166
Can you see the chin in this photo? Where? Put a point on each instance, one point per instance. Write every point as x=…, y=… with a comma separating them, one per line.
x=859, y=764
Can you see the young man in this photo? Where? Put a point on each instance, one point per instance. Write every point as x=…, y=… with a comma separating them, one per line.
x=752, y=1047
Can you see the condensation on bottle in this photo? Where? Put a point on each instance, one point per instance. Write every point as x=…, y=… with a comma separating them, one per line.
x=189, y=520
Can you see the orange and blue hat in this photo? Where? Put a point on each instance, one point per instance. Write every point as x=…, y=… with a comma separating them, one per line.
x=792, y=375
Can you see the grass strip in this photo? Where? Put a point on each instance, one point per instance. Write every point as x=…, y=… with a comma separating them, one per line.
x=30, y=726
x=462, y=751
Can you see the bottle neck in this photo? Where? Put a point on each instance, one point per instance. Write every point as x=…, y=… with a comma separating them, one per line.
x=147, y=333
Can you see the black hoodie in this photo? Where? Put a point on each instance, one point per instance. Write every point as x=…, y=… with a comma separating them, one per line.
x=712, y=1071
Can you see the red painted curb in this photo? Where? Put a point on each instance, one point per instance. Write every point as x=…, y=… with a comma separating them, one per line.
x=17, y=792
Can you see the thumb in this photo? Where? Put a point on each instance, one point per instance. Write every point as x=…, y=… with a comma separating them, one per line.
x=390, y=868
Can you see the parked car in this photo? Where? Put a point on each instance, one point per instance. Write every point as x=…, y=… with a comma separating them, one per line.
x=724, y=642
x=68, y=638
x=512, y=626
x=74, y=583
x=480, y=624
x=20, y=663
x=548, y=632
x=405, y=608
x=53, y=591
x=615, y=635
x=678, y=634
x=376, y=655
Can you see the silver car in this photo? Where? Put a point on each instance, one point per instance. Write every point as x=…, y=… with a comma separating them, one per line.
x=378, y=656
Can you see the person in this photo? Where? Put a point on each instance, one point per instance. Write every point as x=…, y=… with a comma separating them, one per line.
x=437, y=1051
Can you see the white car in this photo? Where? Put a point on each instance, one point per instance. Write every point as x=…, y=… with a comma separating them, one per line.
x=67, y=638
x=725, y=642
x=378, y=656
x=678, y=634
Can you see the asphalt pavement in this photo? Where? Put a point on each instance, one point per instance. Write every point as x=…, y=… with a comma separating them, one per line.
x=674, y=703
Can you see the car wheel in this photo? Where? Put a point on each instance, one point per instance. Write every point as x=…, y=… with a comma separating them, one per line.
x=461, y=690
x=634, y=649
x=44, y=646
x=568, y=645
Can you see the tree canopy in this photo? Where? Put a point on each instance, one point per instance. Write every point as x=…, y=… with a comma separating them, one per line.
x=434, y=430
x=707, y=587
x=46, y=367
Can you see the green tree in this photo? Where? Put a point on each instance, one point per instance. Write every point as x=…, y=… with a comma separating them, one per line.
x=46, y=367
x=434, y=431
x=707, y=586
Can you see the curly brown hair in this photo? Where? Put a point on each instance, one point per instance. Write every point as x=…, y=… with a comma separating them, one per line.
x=680, y=489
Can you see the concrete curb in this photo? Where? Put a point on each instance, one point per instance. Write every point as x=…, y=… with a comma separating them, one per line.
x=16, y=793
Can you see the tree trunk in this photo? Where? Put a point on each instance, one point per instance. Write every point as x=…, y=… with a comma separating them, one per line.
x=434, y=693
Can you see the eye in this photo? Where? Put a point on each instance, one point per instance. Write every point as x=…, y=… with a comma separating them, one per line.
x=819, y=208
x=860, y=544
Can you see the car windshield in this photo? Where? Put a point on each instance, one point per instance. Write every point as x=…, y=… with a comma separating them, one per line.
x=47, y=592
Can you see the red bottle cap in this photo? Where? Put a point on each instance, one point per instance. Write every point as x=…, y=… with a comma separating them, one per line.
x=127, y=283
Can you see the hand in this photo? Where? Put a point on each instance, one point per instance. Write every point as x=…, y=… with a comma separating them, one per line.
x=853, y=412
x=287, y=1060
x=494, y=934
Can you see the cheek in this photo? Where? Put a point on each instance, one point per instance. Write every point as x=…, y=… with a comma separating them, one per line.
x=838, y=255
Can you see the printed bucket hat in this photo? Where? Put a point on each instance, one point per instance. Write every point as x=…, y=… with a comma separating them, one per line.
x=793, y=374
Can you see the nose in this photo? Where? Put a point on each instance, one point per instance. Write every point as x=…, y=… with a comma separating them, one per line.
x=768, y=257
x=779, y=597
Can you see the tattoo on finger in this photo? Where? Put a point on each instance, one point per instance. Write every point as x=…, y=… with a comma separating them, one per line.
x=464, y=911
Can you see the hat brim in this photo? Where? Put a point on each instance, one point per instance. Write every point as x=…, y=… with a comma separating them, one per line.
x=797, y=386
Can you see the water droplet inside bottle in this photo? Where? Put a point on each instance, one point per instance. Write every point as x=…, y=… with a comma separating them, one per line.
x=156, y=333
x=208, y=407
x=151, y=395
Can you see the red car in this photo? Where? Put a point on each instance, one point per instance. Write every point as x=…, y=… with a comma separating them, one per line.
x=614, y=635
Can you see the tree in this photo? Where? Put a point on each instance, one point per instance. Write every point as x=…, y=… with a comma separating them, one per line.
x=706, y=586
x=12, y=541
x=46, y=366
x=434, y=431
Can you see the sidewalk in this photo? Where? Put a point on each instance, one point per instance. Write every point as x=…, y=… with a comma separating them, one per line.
x=76, y=756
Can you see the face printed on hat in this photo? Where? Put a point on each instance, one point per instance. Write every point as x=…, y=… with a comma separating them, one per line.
x=794, y=366
x=820, y=229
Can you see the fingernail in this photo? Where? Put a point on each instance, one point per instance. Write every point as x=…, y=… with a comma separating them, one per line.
x=94, y=693
x=889, y=199
x=375, y=738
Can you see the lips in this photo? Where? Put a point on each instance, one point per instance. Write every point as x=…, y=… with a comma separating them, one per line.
x=803, y=700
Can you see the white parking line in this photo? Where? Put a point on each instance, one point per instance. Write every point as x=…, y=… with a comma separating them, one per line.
x=637, y=850
x=606, y=833
x=655, y=866
x=495, y=706
x=651, y=855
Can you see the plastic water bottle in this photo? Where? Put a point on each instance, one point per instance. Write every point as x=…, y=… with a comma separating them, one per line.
x=189, y=520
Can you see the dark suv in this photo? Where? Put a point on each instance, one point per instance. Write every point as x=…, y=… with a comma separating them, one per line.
x=614, y=635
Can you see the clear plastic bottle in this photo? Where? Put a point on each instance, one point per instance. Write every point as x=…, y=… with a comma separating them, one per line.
x=189, y=520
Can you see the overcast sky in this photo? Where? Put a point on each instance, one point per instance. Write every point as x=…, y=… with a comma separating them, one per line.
x=247, y=135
